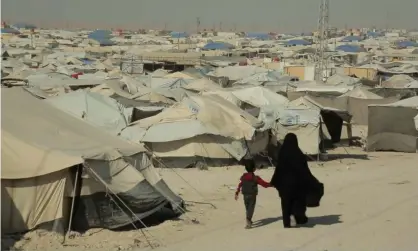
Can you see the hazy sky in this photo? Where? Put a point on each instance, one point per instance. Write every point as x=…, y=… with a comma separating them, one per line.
x=249, y=15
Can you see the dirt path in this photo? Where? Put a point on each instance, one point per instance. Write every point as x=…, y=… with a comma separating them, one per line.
x=369, y=205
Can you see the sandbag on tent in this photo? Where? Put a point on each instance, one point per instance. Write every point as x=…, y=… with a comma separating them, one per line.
x=40, y=144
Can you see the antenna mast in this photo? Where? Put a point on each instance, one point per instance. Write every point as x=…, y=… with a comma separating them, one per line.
x=323, y=29
x=197, y=25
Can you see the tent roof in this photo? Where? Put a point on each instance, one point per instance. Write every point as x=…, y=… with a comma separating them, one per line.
x=260, y=97
x=361, y=93
x=99, y=110
x=198, y=115
x=38, y=139
x=218, y=46
x=202, y=84
x=350, y=48
x=409, y=102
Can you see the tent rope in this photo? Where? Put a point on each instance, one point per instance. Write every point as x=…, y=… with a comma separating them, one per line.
x=126, y=206
x=164, y=165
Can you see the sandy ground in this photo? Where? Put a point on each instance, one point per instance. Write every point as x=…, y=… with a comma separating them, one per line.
x=369, y=204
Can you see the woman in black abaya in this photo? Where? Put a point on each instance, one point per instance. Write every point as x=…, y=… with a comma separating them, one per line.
x=292, y=178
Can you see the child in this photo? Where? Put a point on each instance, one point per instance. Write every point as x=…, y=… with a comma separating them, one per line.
x=248, y=185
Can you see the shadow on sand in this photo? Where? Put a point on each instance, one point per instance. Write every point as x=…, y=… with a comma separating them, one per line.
x=265, y=221
x=325, y=220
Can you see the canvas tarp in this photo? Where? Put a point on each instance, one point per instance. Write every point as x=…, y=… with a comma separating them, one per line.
x=99, y=110
x=304, y=122
x=27, y=203
x=206, y=126
x=259, y=97
x=39, y=145
x=355, y=103
x=393, y=126
x=237, y=72
x=196, y=116
x=48, y=139
x=202, y=85
x=210, y=146
x=134, y=181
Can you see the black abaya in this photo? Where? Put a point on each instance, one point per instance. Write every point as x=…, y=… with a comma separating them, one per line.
x=292, y=178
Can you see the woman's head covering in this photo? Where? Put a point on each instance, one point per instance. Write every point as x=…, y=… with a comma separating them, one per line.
x=290, y=142
x=290, y=151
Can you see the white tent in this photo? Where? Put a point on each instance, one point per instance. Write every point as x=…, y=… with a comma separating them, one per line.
x=99, y=110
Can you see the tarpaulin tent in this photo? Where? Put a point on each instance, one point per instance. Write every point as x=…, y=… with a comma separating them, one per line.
x=205, y=126
x=41, y=146
x=99, y=110
x=393, y=127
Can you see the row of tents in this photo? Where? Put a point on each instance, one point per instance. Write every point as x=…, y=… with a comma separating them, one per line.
x=56, y=167
x=84, y=155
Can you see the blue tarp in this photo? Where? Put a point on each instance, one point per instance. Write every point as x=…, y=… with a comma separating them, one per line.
x=102, y=37
x=350, y=48
x=105, y=41
x=9, y=31
x=24, y=26
x=218, y=46
x=405, y=44
x=352, y=39
x=177, y=34
x=374, y=34
x=294, y=42
x=100, y=34
x=87, y=61
x=257, y=35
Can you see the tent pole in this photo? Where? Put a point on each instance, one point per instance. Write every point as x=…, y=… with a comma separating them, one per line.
x=72, y=203
x=164, y=165
x=124, y=204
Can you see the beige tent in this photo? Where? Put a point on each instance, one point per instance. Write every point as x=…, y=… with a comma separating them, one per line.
x=357, y=101
x=178, y=74
x=202, y=85
x=39, y=146
x=393, y=127
x=206, y=126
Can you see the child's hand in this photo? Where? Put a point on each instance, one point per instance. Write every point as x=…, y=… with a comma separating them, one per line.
x=236, y=196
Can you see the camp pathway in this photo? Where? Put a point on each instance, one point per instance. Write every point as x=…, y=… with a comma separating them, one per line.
x=369, y=206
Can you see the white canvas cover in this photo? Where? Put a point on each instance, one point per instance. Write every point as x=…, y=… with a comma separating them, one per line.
x=99, y=110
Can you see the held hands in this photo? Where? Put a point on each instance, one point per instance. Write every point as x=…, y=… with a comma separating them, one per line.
x=236, y=196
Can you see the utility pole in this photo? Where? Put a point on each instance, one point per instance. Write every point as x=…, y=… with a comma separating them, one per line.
x=321, y=45
x=197, y=25
x=220, y=26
